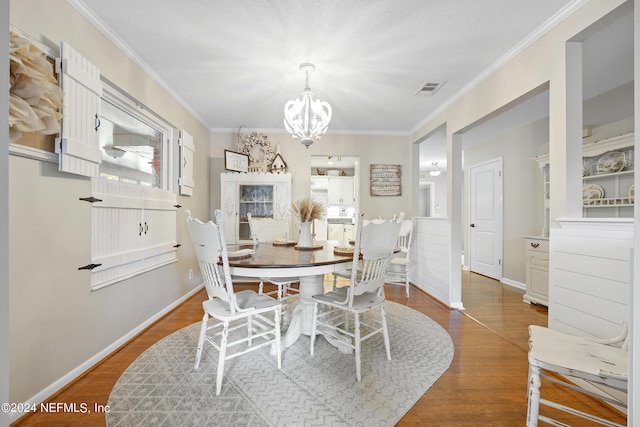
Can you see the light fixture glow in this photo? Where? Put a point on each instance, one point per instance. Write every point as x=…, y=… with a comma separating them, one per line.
x=435, y=171
x=306, y=118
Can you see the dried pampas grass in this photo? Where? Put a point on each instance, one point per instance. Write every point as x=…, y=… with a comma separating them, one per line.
x=308, y=209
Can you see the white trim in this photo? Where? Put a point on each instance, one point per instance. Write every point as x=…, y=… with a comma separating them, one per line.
x=458, y=306
x=32, y=153
x=513, y=283
x=130, y=275
x=88, y=364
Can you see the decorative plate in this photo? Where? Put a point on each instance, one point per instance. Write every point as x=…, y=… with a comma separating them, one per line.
x=315, y=246
x=240, y=253
x=610, y=162
x=343, y=250
x=592, y=192
x=284, y=243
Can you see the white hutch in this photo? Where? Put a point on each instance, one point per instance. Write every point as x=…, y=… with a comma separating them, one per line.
x=608, y=192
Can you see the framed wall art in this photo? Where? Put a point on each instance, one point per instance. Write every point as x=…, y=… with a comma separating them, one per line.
x=236, y=162
x=385, y=180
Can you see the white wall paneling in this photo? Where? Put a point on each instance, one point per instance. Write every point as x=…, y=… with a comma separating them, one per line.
x=133, y=230
x=431, y=265
x=590, y=276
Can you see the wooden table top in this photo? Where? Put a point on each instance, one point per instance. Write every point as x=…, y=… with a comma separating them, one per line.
x=268, y=255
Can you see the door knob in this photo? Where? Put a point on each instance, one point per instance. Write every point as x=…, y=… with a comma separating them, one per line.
x=472, y=225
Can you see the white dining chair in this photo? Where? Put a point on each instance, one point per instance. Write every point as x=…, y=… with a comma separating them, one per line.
x=398, y=273
x=374, y=246
x=242, y=318
x=269, y=230
x=603, y=363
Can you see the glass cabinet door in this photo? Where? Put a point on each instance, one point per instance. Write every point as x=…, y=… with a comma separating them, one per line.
x=258, y=200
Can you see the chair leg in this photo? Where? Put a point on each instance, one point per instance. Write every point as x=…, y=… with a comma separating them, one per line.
x=203, y=332
x=533, y=407
x=385, y=331
x=312, y=340
x=221, y=357
x=250, y=330
x=406, y=278
x=276, y=321
x=356, y=325
x=261, y=287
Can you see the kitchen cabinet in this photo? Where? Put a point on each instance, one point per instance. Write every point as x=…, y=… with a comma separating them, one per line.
x=342, y=232
x=340, y=190
x=537, y=270
x=263, y=195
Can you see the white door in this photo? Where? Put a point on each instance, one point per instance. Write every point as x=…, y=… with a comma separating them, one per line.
x=485, y=235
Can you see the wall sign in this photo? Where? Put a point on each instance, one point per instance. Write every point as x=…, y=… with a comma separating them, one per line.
x=236, y=162
x=385, y=180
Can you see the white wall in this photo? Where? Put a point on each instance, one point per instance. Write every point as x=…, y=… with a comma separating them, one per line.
x=369, y=148
x=53, y=314
x=4, y=216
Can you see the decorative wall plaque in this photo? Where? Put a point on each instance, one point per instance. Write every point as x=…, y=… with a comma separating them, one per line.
x=385, y=180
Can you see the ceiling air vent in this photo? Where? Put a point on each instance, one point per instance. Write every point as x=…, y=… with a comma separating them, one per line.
x=428, y=89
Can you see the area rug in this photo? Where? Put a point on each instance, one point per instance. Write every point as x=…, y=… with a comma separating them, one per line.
x=161, y=387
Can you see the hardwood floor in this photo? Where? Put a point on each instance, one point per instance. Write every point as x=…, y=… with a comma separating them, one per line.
x=486, y=384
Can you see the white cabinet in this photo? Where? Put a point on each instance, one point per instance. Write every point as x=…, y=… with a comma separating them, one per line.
x=263, y=195
x=134, y=230
x=342, y=232
x=340, y=191
x=319, y=182
x=537, y=270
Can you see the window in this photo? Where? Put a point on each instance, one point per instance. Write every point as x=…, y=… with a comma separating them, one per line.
x=134, y=144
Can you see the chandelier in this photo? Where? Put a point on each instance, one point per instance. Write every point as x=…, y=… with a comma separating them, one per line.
x=435, y=170
x=306, y=118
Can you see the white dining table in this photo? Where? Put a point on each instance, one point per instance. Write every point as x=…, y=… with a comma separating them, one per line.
x=277, y=261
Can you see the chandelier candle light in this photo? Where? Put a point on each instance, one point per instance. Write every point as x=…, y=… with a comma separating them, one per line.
x=306, y=118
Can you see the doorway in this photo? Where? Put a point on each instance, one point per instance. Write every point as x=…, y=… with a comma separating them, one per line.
x=426, y=200
x=485, y=218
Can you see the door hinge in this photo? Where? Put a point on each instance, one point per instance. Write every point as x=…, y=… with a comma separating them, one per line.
x=177, y=246
x=90, y=199
x=89, y=267
x=499, y=261
x=177, y=206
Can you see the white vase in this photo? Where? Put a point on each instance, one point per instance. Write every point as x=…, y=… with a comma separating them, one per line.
x=304, y=239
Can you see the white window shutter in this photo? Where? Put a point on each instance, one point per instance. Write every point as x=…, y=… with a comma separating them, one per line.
x=187, y=150
x=78, y=144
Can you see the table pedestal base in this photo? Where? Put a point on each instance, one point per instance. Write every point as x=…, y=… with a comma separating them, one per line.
x=302, y=315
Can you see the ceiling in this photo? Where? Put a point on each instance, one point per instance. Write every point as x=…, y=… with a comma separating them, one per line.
x=236, y=63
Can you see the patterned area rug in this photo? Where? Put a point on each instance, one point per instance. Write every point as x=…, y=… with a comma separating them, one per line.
x=161, y=388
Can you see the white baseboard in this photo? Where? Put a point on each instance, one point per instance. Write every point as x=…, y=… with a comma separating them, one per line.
x=513, y=283
x=82, y=368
